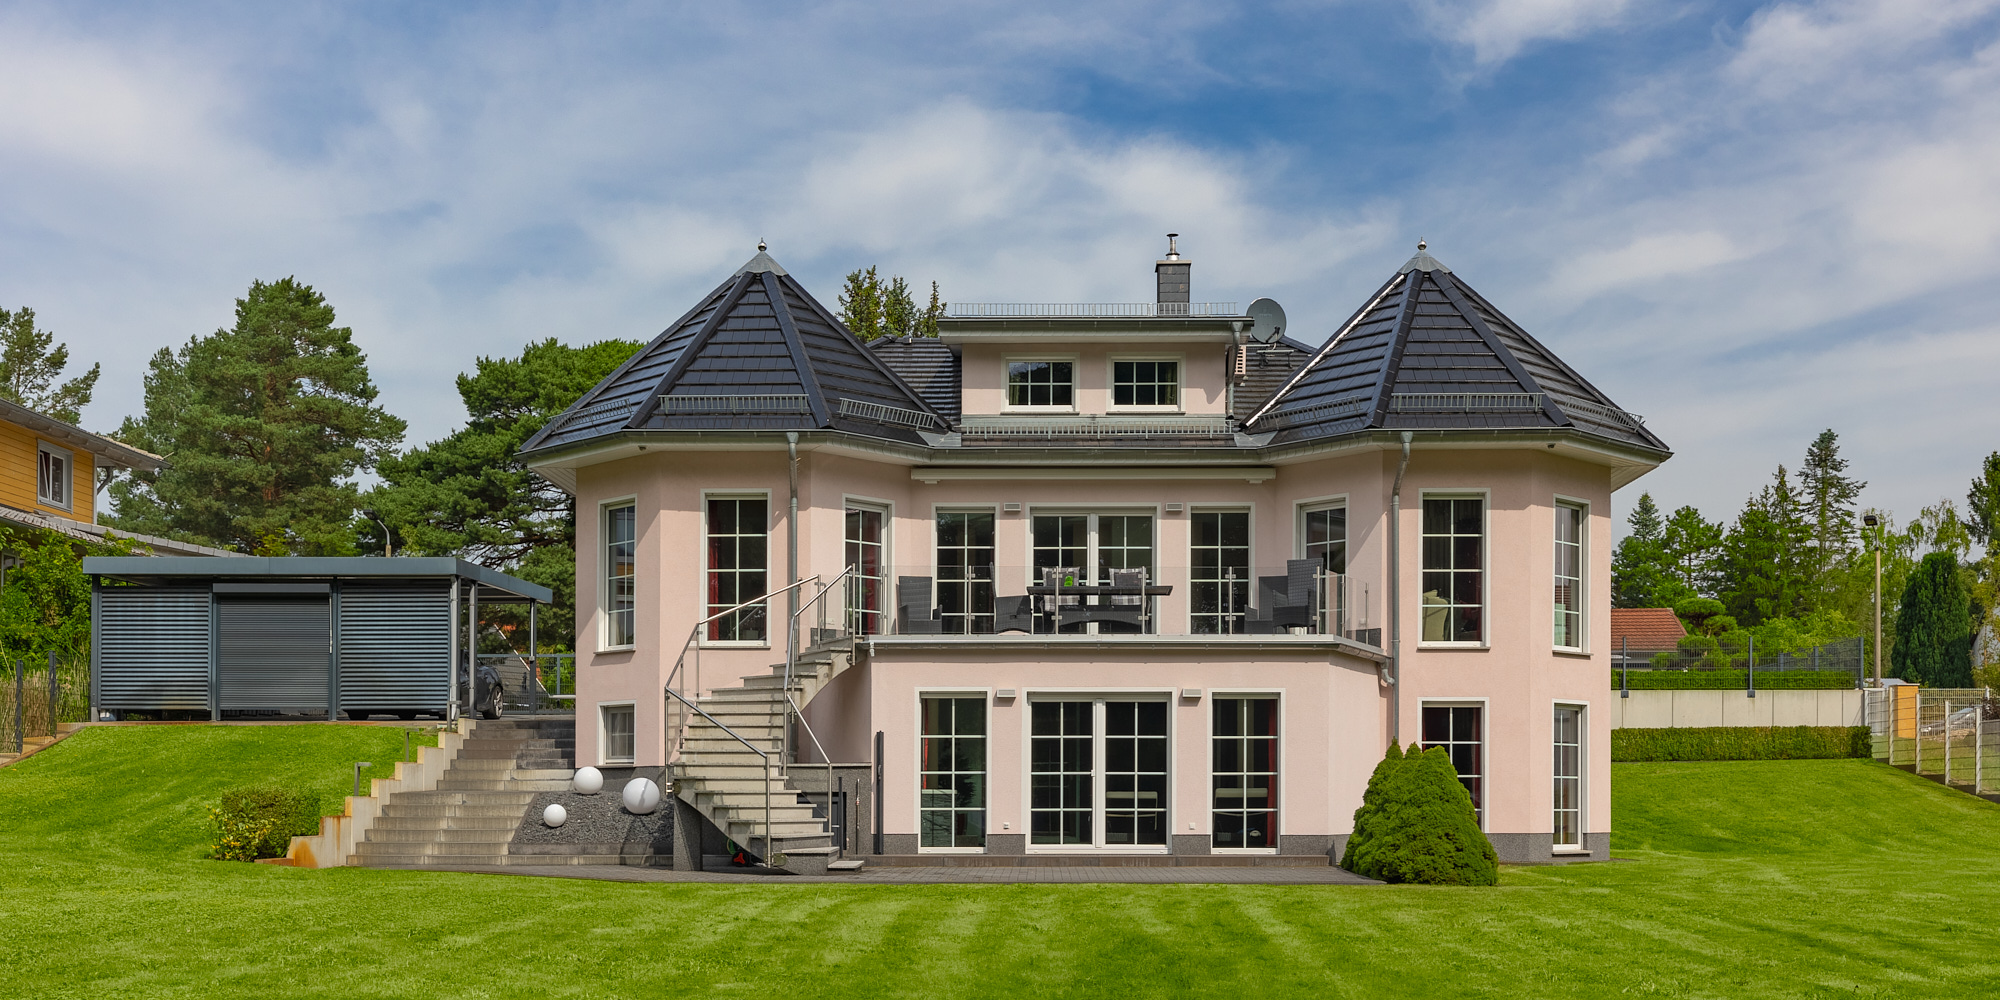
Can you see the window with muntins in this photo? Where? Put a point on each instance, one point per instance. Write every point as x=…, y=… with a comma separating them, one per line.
x=1569, y=577
x=1219, y=571
x=1324, y=536
x=52, y=475
x=1098, y=773
x=952, y=810
x=1568, y=817
x=1459, y=729
x=621, y=573
x=1454, y=554
x=738, y=567
x=1145, y=383
x=1245, y=746
x=865, y=545
x=1041, y=383
x=1095, y=545
x=618, y=722
x=965, y=571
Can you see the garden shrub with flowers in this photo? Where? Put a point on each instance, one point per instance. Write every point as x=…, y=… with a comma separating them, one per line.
x=252, y=823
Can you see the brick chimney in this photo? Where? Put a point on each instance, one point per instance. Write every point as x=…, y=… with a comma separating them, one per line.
x=1172, y=273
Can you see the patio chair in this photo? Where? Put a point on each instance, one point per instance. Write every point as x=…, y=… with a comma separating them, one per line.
x=914, y=614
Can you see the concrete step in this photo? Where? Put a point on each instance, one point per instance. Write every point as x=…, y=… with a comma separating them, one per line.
x=464, y=838
x=382, y=860
x=500, y=820
x=415, y=814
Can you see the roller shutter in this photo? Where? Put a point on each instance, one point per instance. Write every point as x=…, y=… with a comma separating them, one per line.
x=272, y=653
x=395, y=647
x=152, y=648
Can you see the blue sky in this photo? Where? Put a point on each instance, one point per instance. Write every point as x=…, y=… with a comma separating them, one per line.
x=1747, y=221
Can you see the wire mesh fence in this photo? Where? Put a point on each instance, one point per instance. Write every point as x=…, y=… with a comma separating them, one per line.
x=1953, y=733
x=38, y=694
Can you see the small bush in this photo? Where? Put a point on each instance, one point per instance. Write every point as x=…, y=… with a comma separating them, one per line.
x=252, y=823
x=1741, y=743
x=1416, y=825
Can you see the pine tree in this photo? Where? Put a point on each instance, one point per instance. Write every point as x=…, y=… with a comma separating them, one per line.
x=1982, y=504
x=861, y=304
x=874, y=308
x=30, y=362
x=899, y=311
x=265, y=425
x=1692, y=544
x=1829, y=496
x=1638, y=565
x=1422, y=828
x=1933, y=644
x=1764, y=556
x=927, y=322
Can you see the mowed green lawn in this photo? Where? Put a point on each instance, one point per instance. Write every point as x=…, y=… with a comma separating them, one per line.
x=1779, y=879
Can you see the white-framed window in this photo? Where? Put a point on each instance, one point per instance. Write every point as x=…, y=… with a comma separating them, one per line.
x=621, y=573
x=1568, y=773
x=53, y=469
x=1461, y=730
x=617, y=732
x=1097, y=772
x=1244, y=738
x=739, y=534
x=1041, y=382
x=965, y=571
x=951, y=809
x=1092, y=547
x=867, y=544
x=1323, y=535
x=1146, y=383
x=1218, y=571
x=1571, y=519
x=1454, y=569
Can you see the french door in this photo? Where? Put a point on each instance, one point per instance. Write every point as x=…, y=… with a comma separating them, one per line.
x=1093, y=545
x=1098, y=774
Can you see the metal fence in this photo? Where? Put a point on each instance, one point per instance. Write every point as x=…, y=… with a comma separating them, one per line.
x=39, y=693
x=1953, y=733
x=1845, y=655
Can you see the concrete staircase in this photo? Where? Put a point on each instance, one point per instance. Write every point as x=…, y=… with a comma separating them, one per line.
x=725, y=781
x=470, y=817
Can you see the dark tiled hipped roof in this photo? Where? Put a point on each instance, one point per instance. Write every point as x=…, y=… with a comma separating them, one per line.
x=758, y=353
x=927, y=365
x=1428, y=352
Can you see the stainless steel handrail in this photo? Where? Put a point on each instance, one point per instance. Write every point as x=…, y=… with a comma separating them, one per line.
x=769, y=833
x=791, y=657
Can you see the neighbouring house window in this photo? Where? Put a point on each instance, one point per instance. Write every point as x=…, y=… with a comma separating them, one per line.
x=738, y=540
x=1041, y=383
x=1095, y=545
x=1457, y=728
x=965, y=571
x=1454, y=540
x=1325, y=536
x=1061, y=796
x=1568, y=776
x=1219, y=570
x=52, y=476
x=865, y=544
x=619, y=727
x=952, y=812
x=1569, y=577
x=1245, y=738
x=621, y=573
x=1145, y=383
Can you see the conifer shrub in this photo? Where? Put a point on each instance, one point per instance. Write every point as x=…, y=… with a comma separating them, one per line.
x=1416, y=825
x=252, y=823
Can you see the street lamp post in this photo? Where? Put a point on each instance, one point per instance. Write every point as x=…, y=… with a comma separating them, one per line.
x=387, y=548
x=1876, y=543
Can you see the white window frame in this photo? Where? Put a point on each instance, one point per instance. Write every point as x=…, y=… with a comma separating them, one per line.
x=1582, y=777
x=604, y=756
x=1278, y=809
x=68, y=458
x=1007, y=363
x=1484, y=496
x=1582, y=509
x=1093, y=568
x=605, y=611
x=937, y=579
x=917, y=764
x=1249, y=581
x=1485, y=745
x=885, y=616
x=1097, y=697
x=1179, y=405
x=1314, y=505
x=773, y=618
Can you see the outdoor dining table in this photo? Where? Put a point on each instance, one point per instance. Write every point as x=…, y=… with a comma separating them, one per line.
x=1096, y=590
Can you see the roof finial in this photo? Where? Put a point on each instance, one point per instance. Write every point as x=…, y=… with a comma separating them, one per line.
x=1172, y=252
x=1421, y=245
x=760, y=246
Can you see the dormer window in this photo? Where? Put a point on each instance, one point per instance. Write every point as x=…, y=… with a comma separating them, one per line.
x=52, y=473
x=1146, y=383
x=1041, y=383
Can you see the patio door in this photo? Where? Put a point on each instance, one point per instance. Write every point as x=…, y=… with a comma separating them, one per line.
x=1093, y=545
x=1098, y=774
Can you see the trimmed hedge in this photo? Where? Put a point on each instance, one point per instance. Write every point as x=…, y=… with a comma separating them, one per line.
x=252, y=823
x=1734, y=680
x=1741, y=743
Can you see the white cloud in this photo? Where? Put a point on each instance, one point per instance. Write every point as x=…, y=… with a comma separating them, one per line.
x=1497, y=30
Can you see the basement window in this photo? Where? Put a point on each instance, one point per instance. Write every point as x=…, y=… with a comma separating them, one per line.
x=618, y=732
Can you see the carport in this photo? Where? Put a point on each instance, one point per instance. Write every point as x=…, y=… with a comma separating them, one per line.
x=294, y=636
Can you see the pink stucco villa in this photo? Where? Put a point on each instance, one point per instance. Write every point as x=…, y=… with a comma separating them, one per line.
x=1152, y=579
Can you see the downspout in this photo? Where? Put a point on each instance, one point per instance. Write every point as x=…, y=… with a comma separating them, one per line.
x=1395, y=673
x=792, y=544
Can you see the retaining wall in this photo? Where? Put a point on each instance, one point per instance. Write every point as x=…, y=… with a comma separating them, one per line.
x=1692, y=709
x=338, y=835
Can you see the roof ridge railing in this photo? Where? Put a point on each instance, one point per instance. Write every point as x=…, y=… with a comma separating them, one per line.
x=1088, y=310
x=1315, y=413
x=886, y=414
x=595, y=410
x=750, y=405
x=1465, y=402
x=1611, y=414
x=1093, y=425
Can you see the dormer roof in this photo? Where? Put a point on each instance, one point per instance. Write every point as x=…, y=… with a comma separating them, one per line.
x=1428, y=352
x=757, y=353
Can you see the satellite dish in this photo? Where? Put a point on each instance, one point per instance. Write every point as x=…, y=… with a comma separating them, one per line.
x=1267, y=321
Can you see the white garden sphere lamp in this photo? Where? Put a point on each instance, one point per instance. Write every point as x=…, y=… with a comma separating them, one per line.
x=641, y=796
x=554, y=815
x=588, y=781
